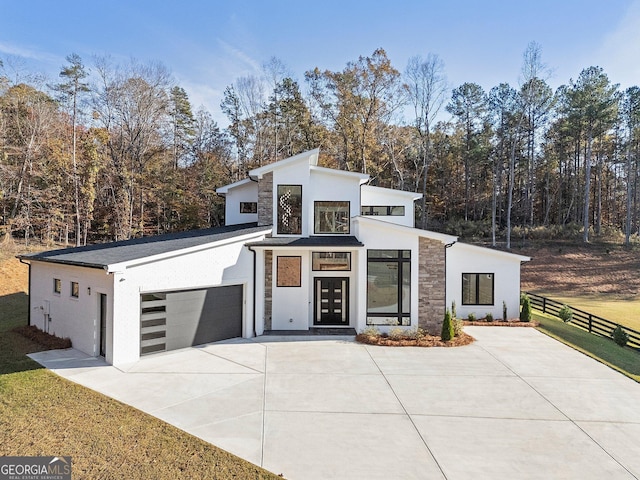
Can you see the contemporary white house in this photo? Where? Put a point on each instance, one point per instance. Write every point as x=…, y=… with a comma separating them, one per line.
x=304, y=248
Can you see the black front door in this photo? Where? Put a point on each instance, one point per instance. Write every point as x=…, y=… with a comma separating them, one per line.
x=331, y=301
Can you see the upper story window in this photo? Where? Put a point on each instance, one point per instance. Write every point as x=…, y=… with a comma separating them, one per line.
x=290, y=209
x=331, y=217
x=383, y=210
x=57, y=285
x=477, y=289
x=75, y=289
x=248, y=207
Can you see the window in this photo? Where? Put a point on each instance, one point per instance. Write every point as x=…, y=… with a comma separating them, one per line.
x=388, y=287
x=75, y=289
x=331, y=217
x=248, y=207
x=290, y=209
x=331, y=261
x=57, y=285
x=384, y=210
x=477, y=288
x=289, y=272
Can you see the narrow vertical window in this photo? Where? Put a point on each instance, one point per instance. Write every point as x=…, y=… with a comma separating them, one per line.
x=57, y=285
x=290, y=209
x=75, y=289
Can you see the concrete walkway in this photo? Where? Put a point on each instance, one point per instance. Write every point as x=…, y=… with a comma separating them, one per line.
x=515, y=404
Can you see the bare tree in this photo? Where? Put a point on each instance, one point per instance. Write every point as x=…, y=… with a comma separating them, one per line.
x=426, y=86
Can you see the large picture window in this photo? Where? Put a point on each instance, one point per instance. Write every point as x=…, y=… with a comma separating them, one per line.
x=388, y=287
x=477, y=289
x=331, y=217
x=290, y=209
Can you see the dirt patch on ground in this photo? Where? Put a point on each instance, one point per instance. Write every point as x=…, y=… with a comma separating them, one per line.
x=575, y=269
x=425, y=341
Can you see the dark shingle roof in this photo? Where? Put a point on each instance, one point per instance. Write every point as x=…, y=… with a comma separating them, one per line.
x=330, y=241
x=104, y=254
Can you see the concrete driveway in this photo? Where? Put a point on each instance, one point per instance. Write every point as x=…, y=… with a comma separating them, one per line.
x=515, y=404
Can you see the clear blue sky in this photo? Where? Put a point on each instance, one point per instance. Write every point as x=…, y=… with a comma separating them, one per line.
x=208, y=44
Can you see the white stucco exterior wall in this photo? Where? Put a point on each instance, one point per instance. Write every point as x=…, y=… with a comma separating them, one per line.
x=243, y=192
x=219, y=264
x=464, y=258
x=75, y=318
x=377, y=196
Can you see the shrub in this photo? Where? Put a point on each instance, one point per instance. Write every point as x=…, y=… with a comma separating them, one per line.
x=471, y=317
x=489, y=317
x=454, y=313
x=458, y=326
x=371, y=331
x=620, y=336
x=504, y=311
x=397, y=334
x=565, y=314
x=447, y=327
x=525, y=311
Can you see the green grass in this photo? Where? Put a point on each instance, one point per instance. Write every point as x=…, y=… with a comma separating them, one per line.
x=625, y=311
x=43, y=414
x=623, y=359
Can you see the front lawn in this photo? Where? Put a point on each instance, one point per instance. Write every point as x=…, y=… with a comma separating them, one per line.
x=623, y=359
x=43, y=414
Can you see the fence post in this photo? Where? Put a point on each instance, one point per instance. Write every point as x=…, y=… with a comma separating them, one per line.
x=590, y=322
x=544, y=304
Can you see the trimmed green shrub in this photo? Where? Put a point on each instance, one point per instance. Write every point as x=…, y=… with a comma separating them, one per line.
x=504, y=311
x=447, y=327
x=620, y=336
x=488, y=317
x=525, y=311
x=565, y=314
x=471, y=317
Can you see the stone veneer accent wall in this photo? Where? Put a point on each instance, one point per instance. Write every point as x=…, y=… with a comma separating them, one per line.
x=265, y=200
x=268, y=288
x=431, y=285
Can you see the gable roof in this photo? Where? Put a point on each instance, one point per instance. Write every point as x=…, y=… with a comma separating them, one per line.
x=104, y=255
x=310, y=156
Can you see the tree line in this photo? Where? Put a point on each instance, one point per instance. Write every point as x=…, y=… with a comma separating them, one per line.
x=115, y=151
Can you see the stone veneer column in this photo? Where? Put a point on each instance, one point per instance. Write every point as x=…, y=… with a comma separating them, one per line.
x=265, y=200
x=268, y=288
x=431, y=285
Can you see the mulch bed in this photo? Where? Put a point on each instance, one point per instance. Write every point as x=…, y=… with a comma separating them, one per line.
x=45, y=340
x=426, y=341
x=510, y=323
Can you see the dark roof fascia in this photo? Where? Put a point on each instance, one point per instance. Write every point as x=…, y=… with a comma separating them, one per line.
x=62, y=262
x=311, y=242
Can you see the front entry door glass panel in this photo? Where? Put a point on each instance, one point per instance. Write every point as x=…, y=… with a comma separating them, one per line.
x=331, y=301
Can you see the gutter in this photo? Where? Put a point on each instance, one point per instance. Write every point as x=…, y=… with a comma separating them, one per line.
x=19, y=257
x=446, y=246
x=254, y=288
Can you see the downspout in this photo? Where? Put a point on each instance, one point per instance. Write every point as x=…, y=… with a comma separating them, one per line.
x=446, y=246
x=254, y=288
x=29, y=293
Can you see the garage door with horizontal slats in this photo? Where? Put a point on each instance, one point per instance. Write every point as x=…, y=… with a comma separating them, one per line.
x=171, y=320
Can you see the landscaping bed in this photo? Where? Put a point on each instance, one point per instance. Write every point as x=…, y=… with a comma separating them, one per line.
x=423, y=340
x=508, y=323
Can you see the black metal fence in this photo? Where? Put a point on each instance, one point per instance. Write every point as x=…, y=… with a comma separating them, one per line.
x=592, y=323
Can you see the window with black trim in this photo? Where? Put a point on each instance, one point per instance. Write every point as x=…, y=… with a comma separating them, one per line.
x=75, y=289
x=383, y=210
x=388, y=287
x=248, y=207
x=331, y=261
x=290, y=209
x=331, y=217
x=57, y=285
x=477, y=288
